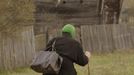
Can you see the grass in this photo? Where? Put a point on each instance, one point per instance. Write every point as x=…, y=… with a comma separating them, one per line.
x=118, y=63
x=22, y=71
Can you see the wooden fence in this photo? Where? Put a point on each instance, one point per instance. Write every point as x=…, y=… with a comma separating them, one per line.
x=102, y=38
x=17, y=50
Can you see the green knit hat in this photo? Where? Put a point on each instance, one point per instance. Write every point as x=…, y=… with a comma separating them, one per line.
x=69, y=29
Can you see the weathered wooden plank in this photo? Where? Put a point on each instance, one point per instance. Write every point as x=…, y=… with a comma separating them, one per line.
x=131, y=29
x=16, y=52
x=94, y=40
x=126, y=38
x=12, y=53
x=91, y=37
x=85, y=41
x=82, y=38
x=119, y=37
x=5, y=53
x=78, y=34
x=33, y=51
x=31, y=44
x=111, y=45
x=99, y=38
x=123, y=46
x=72, y=4
x=8, y=51
x=82, y=21
x=1, y=46
x=116, y=36
x=27, y=46
x=2, y=51
x=100, y=33
x=105, y=38
x=26, y=41
x=129, y=40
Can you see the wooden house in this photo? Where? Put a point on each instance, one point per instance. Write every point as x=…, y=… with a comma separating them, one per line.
x=78, y=12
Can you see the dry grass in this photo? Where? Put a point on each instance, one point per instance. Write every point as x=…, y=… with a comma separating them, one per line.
x=118, y=63
x=129, y=3
x=14, y=14
x=24, y=71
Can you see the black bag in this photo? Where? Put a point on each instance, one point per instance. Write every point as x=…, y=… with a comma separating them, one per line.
x=47, y=61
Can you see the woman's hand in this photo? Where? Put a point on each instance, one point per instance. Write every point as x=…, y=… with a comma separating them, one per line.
x=88, y=54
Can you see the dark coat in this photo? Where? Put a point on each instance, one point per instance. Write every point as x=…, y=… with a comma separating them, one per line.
x=72, y=52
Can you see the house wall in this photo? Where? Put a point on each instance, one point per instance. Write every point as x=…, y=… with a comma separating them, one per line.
x=72, y=12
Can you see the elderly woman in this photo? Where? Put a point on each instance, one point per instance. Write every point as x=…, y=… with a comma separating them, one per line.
x=70, y=50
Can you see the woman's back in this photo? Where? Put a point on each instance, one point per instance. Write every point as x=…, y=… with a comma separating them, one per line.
x=71, y=51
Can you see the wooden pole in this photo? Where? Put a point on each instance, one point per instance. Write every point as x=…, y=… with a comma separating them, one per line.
x=88, y=69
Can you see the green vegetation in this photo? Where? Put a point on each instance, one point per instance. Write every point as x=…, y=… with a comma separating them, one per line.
x=118, y=63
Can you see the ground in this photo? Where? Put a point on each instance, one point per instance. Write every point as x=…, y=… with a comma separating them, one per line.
x=118, y=63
